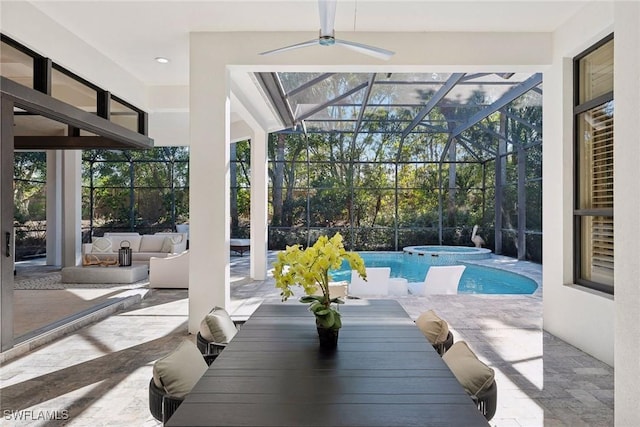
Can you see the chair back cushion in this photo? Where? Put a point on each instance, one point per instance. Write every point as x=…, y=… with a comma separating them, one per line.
x=217, y=326
x=471, y=372
x=177, y=372
x=433, y=327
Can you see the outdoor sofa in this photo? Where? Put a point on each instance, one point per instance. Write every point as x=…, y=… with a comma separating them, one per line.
x=143, y=247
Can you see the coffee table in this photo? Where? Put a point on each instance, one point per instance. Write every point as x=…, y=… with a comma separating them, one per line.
x=98, y=274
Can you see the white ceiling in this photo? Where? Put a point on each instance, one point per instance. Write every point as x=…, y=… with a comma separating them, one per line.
x=133, y=33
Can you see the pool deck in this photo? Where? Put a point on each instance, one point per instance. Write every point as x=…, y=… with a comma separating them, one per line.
x=100, y=372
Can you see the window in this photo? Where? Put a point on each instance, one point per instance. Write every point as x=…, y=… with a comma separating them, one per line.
x=593, y=175
x=15, y=64
x=73, y=90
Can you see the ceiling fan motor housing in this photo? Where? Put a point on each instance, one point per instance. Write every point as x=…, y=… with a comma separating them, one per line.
x=327, y=39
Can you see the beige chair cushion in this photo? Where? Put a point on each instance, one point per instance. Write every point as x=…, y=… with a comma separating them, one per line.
x=101, y=245
x=471, y=372
x=180, y=370
x=217, y=326
x=433, y=327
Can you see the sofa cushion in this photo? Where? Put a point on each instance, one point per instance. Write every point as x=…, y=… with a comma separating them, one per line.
x=471, y=372
x=217, y=326
x=134, y=242
x=151, y=243
x=433, y=327
x=180, y=370
x=101, y=245
x=146, y=256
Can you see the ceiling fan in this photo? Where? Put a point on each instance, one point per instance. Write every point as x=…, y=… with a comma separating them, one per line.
x=327, y=36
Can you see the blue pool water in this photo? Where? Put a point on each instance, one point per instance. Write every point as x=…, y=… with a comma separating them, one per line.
x=475, y=279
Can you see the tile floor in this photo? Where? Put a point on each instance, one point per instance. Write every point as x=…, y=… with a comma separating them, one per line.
x=99, y=374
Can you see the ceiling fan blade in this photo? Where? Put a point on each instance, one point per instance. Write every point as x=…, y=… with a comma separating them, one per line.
x=376, y=52
x=327, y=10
x=293, y=46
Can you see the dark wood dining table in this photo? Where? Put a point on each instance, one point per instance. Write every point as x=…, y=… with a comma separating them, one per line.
x=383, y=373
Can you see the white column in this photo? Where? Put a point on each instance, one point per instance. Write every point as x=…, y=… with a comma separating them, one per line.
x=259, y=229
x=627, y=211
x=209, y=181
x=54, y=207
x=71, y=207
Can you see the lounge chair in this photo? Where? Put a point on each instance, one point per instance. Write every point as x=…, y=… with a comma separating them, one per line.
x=440, y=279
x=169, y=272
x=377, y=282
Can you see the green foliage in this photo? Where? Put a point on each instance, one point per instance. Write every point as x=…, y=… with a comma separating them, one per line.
x=136, y=189
x=29, y=186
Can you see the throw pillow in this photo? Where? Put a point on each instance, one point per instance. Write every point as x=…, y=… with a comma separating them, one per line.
x=433, y=327
x=217, y=326
x=169, y=243
x=132, y=239
x=180, y=370
x=101, y=245
x=471, y=372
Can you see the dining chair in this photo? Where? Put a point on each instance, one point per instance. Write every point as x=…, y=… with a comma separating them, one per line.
x=217, y=329
x=174, y=376
x=477, y=379
x=436, y=330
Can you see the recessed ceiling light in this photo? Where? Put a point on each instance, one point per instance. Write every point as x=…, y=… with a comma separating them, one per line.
x=162, y=60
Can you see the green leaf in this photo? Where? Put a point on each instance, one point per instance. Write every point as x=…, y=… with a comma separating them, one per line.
x=326, y=321
x=336, y=300
x=337, y=323
x=310, y=298
x=315, y=306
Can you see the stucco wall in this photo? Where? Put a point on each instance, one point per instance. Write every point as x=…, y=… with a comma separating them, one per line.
x=627, y=212
x=581, y=317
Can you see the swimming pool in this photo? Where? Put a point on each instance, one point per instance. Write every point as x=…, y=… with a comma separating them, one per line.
x=475, y=279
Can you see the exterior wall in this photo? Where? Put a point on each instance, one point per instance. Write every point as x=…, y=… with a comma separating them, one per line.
x=581, y=317
x=603, y=326
x=627, y=212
